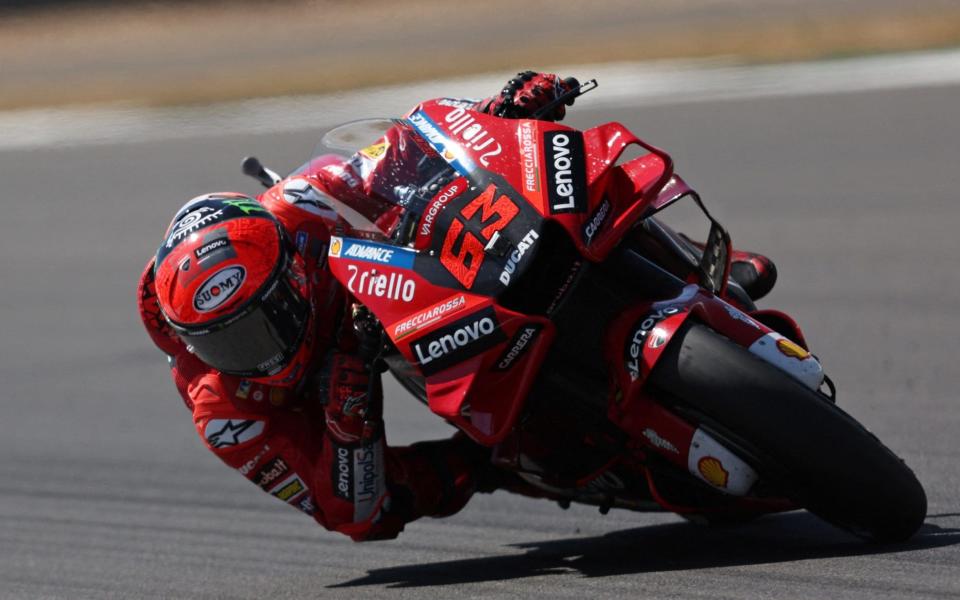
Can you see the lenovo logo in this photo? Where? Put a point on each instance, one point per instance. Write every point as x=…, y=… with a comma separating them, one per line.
x=343, y=473
x=566, y=172
x=457, y=342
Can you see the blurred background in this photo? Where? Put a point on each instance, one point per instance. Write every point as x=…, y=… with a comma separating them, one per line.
x=821, y=132
x=84, y=51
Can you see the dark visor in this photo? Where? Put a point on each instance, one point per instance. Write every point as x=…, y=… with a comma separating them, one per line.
x=258, y=341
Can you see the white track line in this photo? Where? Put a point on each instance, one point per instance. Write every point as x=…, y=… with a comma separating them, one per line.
x=621, y=84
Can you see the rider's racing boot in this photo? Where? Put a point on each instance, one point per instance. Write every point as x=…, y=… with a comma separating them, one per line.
x=755, y=273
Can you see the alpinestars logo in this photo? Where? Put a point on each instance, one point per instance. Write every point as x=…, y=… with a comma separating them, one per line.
x=457, y=342
x=566, y=172
x=301, y=194
x=221, y=433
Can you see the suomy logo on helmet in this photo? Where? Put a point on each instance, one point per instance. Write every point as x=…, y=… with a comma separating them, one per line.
x=219, y=288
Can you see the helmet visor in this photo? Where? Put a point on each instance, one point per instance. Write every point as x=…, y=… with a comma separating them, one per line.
x=258, y=341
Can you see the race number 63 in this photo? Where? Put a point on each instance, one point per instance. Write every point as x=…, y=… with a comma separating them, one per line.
x=496, y=212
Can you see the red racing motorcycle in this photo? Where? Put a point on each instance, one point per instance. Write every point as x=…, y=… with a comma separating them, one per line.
x=526, y=294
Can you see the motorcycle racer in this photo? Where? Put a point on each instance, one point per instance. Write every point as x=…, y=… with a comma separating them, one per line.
x=276, y=360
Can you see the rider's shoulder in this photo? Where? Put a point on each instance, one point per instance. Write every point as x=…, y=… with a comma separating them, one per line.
x=211, y=391
x=299, y=197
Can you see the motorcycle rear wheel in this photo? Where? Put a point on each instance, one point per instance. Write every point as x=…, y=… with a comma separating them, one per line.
x=821, y=457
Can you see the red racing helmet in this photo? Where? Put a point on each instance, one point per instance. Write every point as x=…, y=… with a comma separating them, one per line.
x=233, y=288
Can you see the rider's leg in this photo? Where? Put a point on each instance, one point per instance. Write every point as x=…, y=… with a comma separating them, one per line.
x=755, y=273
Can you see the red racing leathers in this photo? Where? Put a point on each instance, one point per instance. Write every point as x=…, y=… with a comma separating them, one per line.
x=319, y=444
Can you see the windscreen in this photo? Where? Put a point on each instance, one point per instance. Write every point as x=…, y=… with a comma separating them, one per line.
x=388, y=172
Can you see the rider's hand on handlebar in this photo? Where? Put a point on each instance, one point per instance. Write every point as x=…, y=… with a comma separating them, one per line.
x=528, y=92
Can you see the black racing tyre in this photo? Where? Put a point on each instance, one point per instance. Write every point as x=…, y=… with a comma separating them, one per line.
x=818, y=455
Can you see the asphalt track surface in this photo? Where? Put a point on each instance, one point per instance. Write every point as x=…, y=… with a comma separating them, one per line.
x=106, y=491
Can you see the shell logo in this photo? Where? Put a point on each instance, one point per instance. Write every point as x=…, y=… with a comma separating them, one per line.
x=788, y=348
x=336, y=245
x=375, y=151
x=712, y=470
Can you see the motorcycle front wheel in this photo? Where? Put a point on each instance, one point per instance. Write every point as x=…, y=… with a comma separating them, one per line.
x=798, y=441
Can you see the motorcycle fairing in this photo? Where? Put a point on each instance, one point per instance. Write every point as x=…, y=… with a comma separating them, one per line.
x=482, y=239
x=685, y=446
x=565, y=175
x=630, y=187
x=478, y=359
x=483, y=394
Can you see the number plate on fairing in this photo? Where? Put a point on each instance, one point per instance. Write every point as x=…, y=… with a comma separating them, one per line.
x=483, y=239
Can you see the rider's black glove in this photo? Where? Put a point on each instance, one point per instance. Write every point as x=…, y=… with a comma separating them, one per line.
x=527, y=93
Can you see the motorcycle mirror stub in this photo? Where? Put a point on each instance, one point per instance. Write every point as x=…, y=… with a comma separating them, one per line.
x=252, y=167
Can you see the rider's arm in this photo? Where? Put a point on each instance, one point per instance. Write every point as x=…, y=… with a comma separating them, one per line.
x=433, y=478
x=326, y=462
